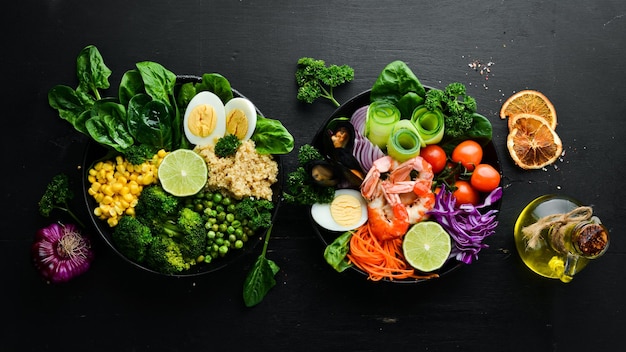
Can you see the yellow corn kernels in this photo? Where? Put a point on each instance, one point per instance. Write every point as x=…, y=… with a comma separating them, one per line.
x=116, y=185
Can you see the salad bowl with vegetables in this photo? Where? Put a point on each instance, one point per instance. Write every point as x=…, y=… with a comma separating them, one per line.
x=167, y=173
x=419, y=163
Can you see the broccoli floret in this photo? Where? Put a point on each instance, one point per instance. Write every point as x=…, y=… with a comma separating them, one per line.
x=227, y=145
x=164, y=255
x=194, y=237
x=166, y=217
x=132, y=238
x=139, y=153
x=155, y=203
x=57, y=196
x=316, y=80
x=257, y=211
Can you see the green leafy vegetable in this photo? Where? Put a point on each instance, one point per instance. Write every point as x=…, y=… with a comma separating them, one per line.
x=271, y=137
x=316, y=80
x=394, y=82
x=93, y=74
x=260, y=279
x=335, y=253
x=57, y=196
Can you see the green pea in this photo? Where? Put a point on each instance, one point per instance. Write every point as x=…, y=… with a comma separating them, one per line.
x=238, y=244
x=223, y=250
x=211, y=234
x=217, y=197
x=231, y=208
x=230, y=217
x=226, y=201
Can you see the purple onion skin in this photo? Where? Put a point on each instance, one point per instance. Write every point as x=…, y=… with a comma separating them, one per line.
x=60, y=252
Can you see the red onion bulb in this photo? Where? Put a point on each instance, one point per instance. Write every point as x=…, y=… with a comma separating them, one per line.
x=60, y=252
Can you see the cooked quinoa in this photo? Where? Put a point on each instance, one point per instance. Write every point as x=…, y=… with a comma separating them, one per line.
x=245, y=174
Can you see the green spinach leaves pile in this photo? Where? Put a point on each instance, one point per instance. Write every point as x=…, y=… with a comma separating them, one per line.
x=147, y=112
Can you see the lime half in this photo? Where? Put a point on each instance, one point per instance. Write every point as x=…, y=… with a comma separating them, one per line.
x=183, y=172
x=426, y=246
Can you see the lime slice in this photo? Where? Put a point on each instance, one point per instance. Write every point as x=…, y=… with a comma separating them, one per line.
x=426, y=246
x=183, y=172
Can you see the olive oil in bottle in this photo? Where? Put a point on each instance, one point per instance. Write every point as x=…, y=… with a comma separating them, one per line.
x=556, y=236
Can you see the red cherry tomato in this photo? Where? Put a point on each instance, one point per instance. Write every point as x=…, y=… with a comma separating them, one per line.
x=435, y=156
x=465, y=194
x=485, y=178
x=469, y=153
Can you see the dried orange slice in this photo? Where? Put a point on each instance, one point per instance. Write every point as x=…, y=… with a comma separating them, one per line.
x=529, y=102
x=532, y=143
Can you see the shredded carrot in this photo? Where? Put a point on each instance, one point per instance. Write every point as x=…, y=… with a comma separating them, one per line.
x=380, y=259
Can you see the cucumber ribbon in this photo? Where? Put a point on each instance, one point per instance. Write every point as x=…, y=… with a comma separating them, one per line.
x=429, y=124
x=381, y=117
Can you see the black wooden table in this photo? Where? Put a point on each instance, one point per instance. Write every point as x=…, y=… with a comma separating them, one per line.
x=571, y=51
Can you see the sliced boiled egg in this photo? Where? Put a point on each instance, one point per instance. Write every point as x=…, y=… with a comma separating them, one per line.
x=240, y=117
x=205, y=119
x=347, y=211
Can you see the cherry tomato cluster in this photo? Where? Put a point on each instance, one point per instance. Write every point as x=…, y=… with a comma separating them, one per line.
x=462, y=171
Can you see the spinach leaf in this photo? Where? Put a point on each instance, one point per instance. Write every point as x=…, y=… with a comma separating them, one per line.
x=92, y=73
x=158, y=81
x=407, y=104
x=395, y=80
x=150, y=121
x=186, y=92
x=70, y=106
x=260, y=279
x=107, y=125
x=216, y=83
x=130, y=85
x=271, y=137
x=335, y=253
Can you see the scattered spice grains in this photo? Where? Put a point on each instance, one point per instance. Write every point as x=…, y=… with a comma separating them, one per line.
x=484, y=69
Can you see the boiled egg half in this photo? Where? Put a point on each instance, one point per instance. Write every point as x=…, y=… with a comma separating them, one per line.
x=347, y=211
x=240, y=118
x=205, y=119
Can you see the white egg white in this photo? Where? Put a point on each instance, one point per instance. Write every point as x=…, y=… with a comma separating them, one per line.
x=213, y=100
x=322, y=216
x=247, y=107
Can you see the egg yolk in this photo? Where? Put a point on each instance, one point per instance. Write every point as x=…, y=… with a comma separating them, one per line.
x=345, y=210
x=202, y=120
x=237, y=123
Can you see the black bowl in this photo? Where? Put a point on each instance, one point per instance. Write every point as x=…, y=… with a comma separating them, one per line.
x=94, y=152
x=346, y=109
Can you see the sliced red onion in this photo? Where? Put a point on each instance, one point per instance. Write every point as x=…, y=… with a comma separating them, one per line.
x=364, y=150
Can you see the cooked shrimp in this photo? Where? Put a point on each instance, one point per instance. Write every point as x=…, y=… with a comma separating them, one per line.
x=401, y=198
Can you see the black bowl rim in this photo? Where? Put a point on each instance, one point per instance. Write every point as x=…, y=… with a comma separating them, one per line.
x=198, y=269
x=346, y=110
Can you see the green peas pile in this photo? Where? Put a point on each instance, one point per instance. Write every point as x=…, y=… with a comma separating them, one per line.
x=226, y=230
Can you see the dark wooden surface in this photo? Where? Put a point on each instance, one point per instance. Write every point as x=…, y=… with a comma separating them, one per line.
x=573, y=51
